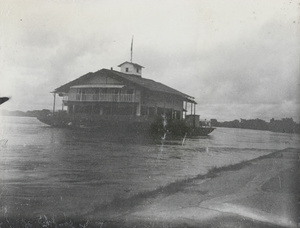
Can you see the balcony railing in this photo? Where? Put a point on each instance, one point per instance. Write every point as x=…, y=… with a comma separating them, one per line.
x=107, y=97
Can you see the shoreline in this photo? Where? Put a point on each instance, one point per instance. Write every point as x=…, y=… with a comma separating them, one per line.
x=191, y=202
x=173, y=205
x=176, y=186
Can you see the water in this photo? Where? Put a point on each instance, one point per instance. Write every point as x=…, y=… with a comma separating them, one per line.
x=50, y=171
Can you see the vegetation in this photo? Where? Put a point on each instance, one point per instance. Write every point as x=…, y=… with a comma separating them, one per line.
x=42, y=221
x=221, y=221
x=286, y=125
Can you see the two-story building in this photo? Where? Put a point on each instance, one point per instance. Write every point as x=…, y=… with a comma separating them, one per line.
x=109, y=98
x=125, y=95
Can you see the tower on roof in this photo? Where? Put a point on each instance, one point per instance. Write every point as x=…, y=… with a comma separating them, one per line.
x=131, y=68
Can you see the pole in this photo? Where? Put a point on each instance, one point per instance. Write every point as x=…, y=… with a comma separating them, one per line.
x=185, y=109
x=54, y=97
x=131, y=49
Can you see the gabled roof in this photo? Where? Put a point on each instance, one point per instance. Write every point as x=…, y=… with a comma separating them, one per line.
x=134, y=64
x=125, y=78
x=79, y=81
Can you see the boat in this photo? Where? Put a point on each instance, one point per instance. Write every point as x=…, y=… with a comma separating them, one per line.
x=190, y=126
x=155, y=126
x=124, y=101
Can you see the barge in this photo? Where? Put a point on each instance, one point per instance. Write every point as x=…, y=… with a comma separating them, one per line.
x=124, y=100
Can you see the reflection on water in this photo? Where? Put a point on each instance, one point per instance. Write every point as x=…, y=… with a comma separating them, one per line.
x=47, y=170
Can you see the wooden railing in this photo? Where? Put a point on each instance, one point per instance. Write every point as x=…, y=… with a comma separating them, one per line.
x=108, y=97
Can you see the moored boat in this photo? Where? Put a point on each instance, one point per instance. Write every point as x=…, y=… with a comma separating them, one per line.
x=154, y=126
x=109, y=99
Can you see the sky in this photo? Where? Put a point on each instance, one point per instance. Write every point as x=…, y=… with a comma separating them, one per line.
x=239, y=59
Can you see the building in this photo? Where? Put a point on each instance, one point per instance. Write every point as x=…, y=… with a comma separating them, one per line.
x=123, y=95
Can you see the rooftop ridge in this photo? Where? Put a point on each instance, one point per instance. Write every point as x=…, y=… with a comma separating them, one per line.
x=146, y=83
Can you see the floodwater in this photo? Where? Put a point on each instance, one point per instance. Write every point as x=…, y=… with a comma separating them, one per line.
x=55, y=172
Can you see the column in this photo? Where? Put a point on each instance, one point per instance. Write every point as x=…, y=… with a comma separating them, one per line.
x=54, y=98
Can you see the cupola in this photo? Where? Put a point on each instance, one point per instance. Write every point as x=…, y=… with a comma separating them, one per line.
x=131, y=68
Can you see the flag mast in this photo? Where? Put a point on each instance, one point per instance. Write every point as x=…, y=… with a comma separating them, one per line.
x=131, y=49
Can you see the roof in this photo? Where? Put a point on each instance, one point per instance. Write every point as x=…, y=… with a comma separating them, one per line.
x=97, y=86
x=134, y=64
x=79, y=81
x=125, y=78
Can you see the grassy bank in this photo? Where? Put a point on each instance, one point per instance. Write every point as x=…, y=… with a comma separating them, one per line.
x=231, y=221
x=125, y=204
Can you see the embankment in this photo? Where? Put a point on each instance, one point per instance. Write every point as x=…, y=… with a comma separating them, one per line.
x=262, y=192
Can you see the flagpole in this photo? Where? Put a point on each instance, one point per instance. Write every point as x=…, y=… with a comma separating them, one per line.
x=131, y=49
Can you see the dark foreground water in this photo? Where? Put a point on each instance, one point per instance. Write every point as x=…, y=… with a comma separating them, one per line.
x=60, y=172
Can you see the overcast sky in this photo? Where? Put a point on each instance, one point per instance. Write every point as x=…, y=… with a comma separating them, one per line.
x=239, y=59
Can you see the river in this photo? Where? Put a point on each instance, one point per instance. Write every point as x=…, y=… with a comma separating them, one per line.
x=62, y=172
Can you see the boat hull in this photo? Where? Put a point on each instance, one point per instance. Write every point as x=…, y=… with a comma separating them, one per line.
x=202, y=131
x=119, y=124
x=104, y=123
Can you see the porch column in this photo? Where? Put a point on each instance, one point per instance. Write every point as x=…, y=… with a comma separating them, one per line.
x=54, y=98
x=139, y=105
x=185, y=109
x=138, y=109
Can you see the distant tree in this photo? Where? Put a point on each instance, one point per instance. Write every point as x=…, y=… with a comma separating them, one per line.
x=284, y=125
x=214, y=123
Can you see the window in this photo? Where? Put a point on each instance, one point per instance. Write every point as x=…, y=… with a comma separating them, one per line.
x=138, y=70
x=126, y=69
